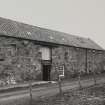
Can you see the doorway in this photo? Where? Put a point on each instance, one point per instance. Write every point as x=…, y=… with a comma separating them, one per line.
x=46, y=72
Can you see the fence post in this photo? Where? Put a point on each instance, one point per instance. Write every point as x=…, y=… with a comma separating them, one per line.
x=60, y=86
x=94, y=72
x=30, y=92
x=79, y=80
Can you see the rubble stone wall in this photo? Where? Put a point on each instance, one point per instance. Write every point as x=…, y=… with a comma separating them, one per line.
x=20, y=59
x=77, y=60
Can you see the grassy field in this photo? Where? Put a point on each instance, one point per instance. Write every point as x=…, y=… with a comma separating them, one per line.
x=94, y=95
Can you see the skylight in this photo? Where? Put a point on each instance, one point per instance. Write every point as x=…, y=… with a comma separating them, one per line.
x=51, y=37
x=63, y=39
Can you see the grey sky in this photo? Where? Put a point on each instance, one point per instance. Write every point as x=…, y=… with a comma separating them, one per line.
x=79, y=17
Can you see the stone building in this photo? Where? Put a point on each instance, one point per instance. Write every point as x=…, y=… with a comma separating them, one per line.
x=28, y=51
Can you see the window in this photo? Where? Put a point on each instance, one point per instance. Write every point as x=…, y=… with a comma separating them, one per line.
x=61, y=71
x=46, y=53
x=66, y=55
x=2, y=57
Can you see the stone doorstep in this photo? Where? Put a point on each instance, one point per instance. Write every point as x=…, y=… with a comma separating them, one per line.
x=26, y=85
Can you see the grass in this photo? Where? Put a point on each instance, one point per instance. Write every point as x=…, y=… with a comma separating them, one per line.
x=93, y=95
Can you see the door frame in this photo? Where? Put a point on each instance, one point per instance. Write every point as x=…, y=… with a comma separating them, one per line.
x=46, y=63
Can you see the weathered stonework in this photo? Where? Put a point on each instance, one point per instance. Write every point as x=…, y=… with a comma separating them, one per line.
x=21, y=59
x=95, y=61
x=77, y=60
x=18, y=57
x=72, y=58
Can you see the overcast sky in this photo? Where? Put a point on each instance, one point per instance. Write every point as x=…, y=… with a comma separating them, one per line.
x=84, y=18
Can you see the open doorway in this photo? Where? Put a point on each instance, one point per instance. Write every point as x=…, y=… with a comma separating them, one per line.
x=46, y=72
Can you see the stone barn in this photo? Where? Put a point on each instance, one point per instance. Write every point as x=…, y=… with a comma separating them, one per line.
x=28, y=51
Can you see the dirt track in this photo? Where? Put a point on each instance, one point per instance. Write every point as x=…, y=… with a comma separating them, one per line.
x=47, y=91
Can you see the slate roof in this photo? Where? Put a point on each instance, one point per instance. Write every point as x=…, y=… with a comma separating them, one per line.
x=20, y=30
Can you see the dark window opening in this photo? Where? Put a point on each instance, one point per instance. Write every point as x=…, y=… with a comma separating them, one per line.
x=66, y=55
x=1, y=59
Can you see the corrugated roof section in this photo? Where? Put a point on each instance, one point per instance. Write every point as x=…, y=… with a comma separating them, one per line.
x=21, y=30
